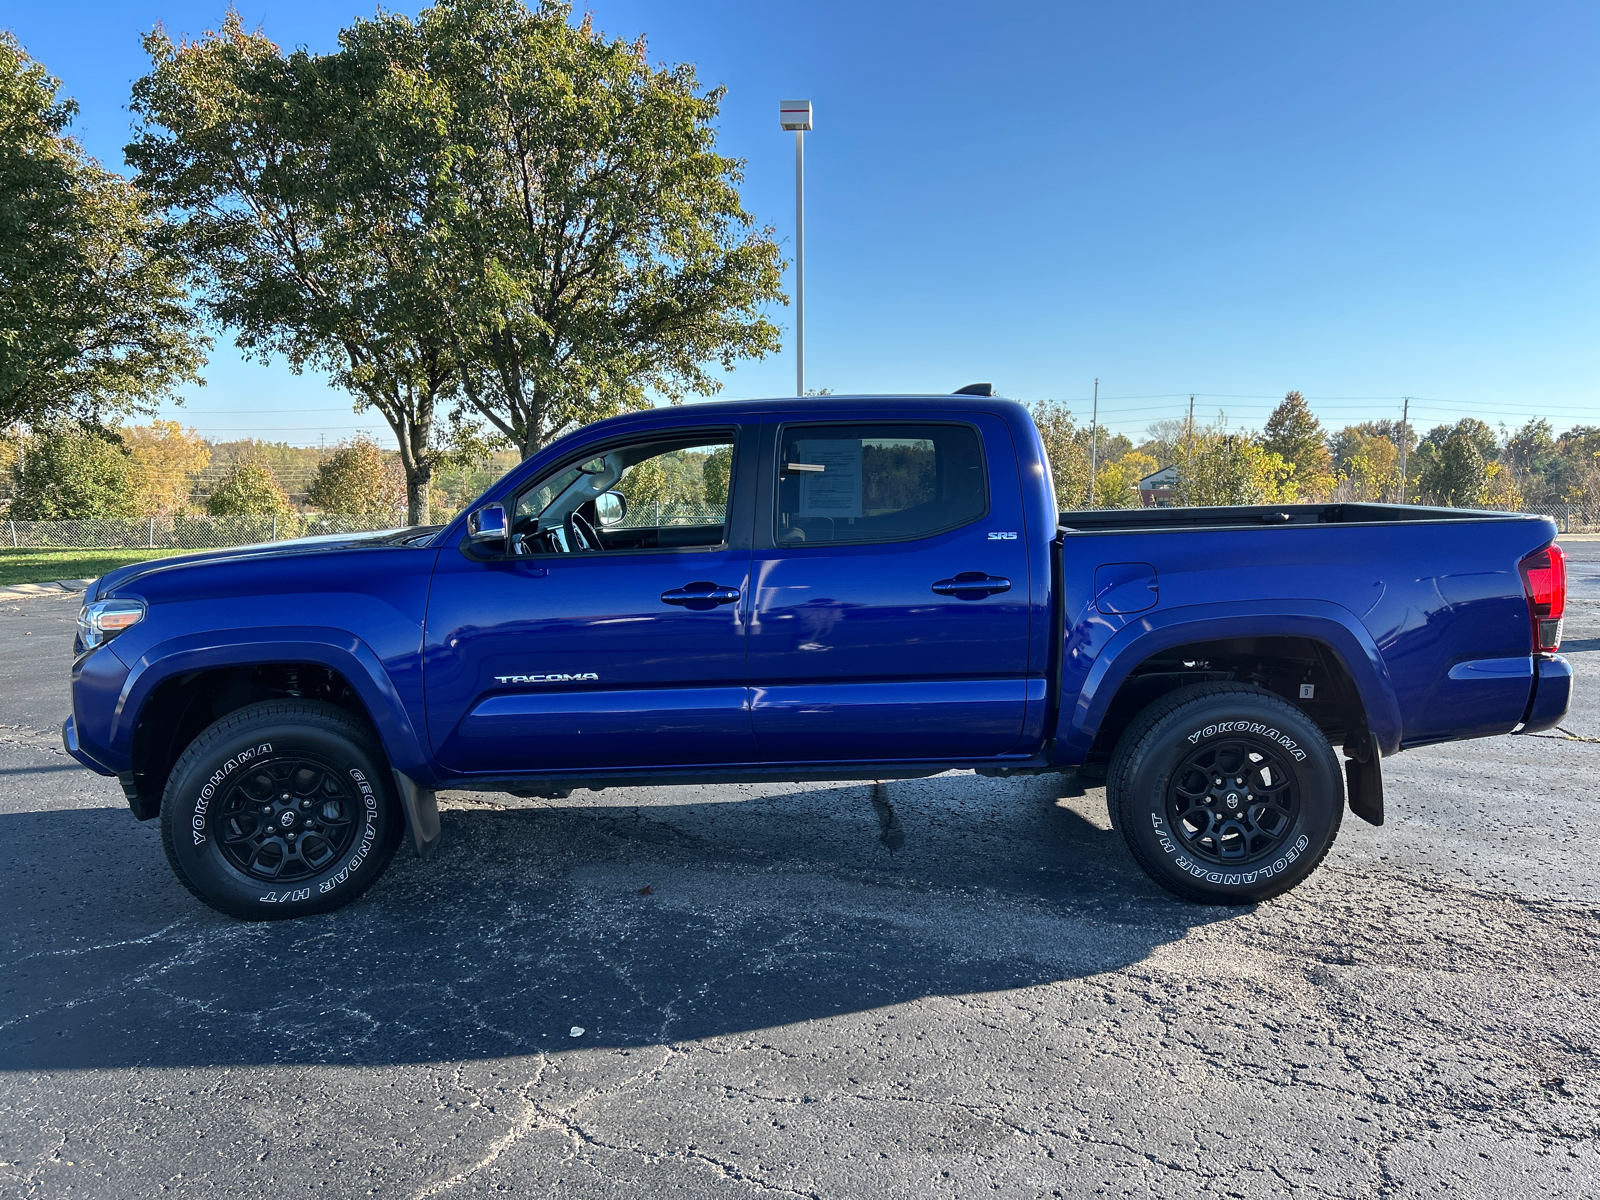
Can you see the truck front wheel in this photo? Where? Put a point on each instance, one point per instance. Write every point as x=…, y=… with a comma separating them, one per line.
x=280, y=809
x=1225, y=793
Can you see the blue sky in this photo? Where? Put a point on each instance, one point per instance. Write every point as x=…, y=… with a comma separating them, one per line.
x=1361, y=201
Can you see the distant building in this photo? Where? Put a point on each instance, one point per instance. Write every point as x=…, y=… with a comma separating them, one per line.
x=1156, y=490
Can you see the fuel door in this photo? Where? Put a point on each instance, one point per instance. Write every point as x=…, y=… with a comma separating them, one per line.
x=1125, y=587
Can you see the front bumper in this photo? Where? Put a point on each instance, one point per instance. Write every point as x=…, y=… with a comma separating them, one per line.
x=1552, y=693
x=69, y=739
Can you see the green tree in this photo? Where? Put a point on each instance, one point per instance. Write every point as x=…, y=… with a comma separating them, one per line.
x=1369, y=467
x=458, y=484
x=1349, y=439
x=1539, y=462
x=597, y=248
x=1456, y=474
x=1502, y=487
x=1066, y=447
x=69, y=472
x=1295, y=435
x=1580, y=457
x=356, y=480
x=1530, y=447
x=306, y=228
x=1483, y=436
x=1117, y=484
x=94, y=318
x=251, y=490
x=718, y=472
x=1586, y=486
x=1232, y=468
x=1454, y=477
x=1581, y=442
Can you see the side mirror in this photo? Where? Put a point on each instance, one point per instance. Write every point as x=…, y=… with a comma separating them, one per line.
x=487, y=524
x=610, y=507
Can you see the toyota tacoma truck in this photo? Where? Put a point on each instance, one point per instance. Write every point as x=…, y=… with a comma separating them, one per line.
x=826, y=588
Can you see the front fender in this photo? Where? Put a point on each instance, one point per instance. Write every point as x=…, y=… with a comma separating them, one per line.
x=337, y=649
x=1319, y=620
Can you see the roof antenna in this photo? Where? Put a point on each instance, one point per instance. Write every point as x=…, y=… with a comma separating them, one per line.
x=975, y=389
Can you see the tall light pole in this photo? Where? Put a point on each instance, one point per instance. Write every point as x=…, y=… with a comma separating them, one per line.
x=796, y=115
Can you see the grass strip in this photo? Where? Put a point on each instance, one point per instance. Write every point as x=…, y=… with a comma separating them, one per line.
x=46, y=566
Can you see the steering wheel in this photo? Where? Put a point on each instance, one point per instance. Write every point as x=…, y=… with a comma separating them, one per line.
x=581, y=534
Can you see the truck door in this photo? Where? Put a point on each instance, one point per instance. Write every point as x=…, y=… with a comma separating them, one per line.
x=890, y=611
x=613, y=635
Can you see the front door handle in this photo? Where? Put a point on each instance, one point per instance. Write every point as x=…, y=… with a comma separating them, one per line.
x=701, y=595
x=972, y=585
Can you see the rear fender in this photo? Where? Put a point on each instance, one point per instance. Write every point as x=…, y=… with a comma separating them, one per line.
x=1151, y=633
x=336, y=649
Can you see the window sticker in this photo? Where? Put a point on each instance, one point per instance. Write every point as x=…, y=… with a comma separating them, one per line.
x=837, y=491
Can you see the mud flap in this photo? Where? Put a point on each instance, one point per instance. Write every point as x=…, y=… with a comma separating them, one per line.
x=1363, y=775
x=422, y=813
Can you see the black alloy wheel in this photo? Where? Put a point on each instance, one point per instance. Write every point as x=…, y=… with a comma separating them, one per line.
x=287, y=819
x=1232, y=801
x=1225, y=793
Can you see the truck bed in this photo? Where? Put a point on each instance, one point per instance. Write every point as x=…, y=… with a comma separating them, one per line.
x=1420, y=612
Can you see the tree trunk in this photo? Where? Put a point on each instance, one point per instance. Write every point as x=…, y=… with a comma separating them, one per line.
x=418, y=481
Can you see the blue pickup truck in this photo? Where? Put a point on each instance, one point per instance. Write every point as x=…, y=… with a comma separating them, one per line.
x=824, y=588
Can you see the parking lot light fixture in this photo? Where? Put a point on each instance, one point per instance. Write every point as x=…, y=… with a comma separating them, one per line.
x=796, y=115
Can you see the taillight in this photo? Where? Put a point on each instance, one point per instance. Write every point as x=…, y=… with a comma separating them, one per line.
x=1544, y=578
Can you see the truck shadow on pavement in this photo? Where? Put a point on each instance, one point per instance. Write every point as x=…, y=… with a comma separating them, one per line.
x=721, y=911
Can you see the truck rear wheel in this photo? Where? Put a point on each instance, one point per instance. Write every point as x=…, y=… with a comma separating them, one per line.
x=1225, y=793
x=280, y=809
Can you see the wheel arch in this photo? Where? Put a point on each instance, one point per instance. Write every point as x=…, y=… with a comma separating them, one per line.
x=1317, y=642
x=179, y=687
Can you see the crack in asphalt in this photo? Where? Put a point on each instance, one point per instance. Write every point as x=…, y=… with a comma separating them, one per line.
x=890, y=832
x=537, y=1115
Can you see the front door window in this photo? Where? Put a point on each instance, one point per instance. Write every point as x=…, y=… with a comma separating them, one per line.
x=666, y=493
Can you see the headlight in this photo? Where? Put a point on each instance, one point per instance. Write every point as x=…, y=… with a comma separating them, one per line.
x=101, y=621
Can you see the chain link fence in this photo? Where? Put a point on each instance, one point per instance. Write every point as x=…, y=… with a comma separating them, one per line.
x=185, y=532
x=1571, y=518
x=653, y=514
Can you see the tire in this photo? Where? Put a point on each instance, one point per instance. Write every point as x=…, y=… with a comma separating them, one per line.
x=1227, y=844
x=281, y=809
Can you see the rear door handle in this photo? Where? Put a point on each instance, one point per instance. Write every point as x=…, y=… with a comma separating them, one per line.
x=972, y=585
x=701, y=595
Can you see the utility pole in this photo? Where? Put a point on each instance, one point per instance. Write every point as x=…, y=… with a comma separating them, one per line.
x=1188, y=446
x=1405, y=430
x=796, y=115
x=1094, y=436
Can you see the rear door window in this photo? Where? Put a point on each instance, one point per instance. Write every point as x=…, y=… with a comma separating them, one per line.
x=851, y=483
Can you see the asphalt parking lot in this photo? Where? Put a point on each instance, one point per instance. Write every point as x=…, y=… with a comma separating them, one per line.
x=950, y=987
